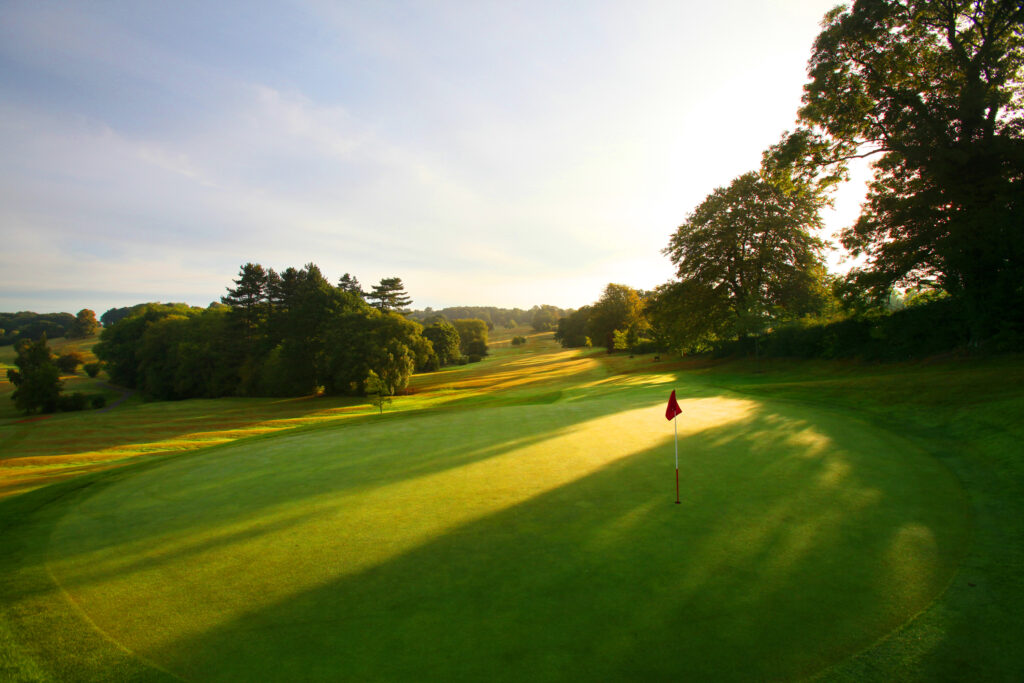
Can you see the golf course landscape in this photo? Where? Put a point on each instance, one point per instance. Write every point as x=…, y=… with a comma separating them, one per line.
x=515, y=520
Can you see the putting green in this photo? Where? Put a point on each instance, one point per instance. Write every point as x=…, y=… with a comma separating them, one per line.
x=520, y=542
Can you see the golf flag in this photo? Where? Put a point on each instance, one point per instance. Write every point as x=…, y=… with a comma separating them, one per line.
x=673, y=407
x=671, y=411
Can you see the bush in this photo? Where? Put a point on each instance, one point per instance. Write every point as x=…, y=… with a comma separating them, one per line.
x=70, y=403
x=475, y=358
x=646, y=346
x=476, y=348
x=98, y=401
x=518, y=340
x=69, y=362
x=92, y=369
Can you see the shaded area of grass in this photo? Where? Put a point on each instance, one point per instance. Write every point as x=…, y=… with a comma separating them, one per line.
x=967, y=414
x=551, y=551
x=474, y=534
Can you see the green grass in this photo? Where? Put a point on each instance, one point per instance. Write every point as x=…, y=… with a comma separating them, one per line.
x=514, y=520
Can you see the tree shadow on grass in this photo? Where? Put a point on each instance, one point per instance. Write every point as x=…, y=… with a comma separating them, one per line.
x=796, y=546
x=181, y=496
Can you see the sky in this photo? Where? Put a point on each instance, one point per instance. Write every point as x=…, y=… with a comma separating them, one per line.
x=488, y=153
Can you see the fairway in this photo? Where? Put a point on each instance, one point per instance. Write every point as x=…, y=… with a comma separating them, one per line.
x=531, y=538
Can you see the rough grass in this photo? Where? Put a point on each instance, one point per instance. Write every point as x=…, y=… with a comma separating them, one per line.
x=513, y=520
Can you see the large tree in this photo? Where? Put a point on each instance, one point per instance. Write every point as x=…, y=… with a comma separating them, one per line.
x=472, y=336
x=620, y=309
x=85, y=325
x=249, y=300
x=445, y=340
x=934, y=90
x=746, y=250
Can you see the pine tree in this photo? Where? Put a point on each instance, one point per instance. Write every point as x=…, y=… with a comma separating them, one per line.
x=349, y=283
x=389, y=295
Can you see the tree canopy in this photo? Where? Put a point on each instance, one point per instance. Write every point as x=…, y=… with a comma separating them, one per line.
x=389, y=295
x=284, y=334
x=744, y=256
x=620, y=309
x=85, y=325
x=934, y=91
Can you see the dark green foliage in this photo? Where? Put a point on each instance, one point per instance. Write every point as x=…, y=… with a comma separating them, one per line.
x=68, y=362
x=248, y=301
x=389, y=295
x=92, y=369
x=378, y=391
x=37, y=379
x=931, y=328
x=29, y=325
x=618, y=311
x=85, y=325
x=445, y=340
x=67, y=403
x=935, y=89
x=120, y=344
x=287, y=334
x=386, y=343
x=472, y=336
x=114, y=315
x=572, y=329
x=518, y=340
x=544, y=318
x=349, y=283
x=745, y=258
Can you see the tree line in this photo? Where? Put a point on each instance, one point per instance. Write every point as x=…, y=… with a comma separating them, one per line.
x=15, y=327
x=542, y=318
x=291, y=333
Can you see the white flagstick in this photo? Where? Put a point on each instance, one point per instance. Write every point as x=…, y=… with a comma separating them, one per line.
x=675, y=428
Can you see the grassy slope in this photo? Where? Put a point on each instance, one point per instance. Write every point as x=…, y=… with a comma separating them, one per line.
x=968, y=415
x=509, y=526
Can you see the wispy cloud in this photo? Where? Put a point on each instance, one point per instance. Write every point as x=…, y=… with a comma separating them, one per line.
x=501, y=153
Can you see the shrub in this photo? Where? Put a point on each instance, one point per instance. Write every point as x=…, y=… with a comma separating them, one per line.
x=92, y=369
x=69, y=403
x=643, y=346
x=98, y=401
x=69, y=362
x=518, y=340
x=475, y=358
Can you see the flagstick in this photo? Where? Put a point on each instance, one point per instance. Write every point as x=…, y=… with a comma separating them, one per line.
x=675, y=428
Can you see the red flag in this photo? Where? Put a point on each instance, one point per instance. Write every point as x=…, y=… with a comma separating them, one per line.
x=673, y=407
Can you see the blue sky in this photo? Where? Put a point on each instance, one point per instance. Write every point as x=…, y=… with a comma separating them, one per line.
x=488, y=153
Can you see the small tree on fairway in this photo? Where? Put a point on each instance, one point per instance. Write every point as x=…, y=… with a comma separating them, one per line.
x=377, y=391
